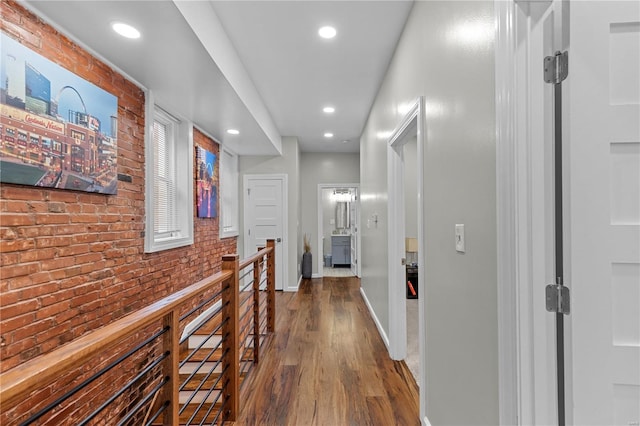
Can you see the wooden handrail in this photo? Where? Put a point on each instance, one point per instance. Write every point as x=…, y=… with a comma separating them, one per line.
x=257, y=256
x=18, y=382
x=40, y=371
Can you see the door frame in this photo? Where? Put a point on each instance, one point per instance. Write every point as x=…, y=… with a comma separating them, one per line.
x=356, y=218
x=526, y=333
x=284, y=179
x=510, y=371
x=320, y=257
x=396, y=244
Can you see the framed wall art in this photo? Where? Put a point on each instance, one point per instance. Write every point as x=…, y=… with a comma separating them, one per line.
x=57, y=130
x=207, y=190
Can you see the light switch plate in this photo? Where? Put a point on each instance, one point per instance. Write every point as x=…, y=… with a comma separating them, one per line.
x=460, y=238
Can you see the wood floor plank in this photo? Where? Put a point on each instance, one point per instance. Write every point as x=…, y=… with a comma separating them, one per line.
x=327, y=365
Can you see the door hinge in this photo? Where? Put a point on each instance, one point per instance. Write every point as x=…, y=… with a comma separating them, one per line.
x=249, y=192
x=249, y=231
x=556, y=67
x=558, y=298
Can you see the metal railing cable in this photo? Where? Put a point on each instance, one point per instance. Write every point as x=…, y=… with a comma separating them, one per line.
x=91, y=379
x=138, y=359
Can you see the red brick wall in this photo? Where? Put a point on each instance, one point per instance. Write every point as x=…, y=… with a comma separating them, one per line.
x=72, y=262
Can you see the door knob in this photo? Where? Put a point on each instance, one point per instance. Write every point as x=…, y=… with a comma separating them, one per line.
x=278, y=240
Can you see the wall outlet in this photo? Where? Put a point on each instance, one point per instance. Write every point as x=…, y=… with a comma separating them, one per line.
x=460, y=238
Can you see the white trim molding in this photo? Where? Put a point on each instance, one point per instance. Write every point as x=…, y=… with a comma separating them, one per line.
x=506, y=178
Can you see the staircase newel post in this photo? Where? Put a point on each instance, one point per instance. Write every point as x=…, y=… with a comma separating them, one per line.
x=271, y=286
x=170, y=345
x=230, y=337
x=257, y=271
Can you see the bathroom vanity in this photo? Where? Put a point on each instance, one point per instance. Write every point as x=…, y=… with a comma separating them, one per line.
x=340, y=250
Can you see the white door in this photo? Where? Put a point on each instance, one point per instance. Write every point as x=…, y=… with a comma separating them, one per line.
x=601, y=173
x=603, y=128
x=264, y=217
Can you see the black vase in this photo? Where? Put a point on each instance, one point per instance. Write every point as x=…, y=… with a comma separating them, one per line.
x=307, y=265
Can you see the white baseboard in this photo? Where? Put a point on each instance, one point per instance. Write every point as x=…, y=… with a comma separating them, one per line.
x=425, y=421
x=383, y=335
x=292, y=289
x=316, y=275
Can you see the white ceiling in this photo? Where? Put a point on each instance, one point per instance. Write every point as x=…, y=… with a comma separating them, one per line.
x=258, y=66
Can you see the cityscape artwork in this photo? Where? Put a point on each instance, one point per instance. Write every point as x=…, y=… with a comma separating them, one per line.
x=207, y=191
x=57, y=130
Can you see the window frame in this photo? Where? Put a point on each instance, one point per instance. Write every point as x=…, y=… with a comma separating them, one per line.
x=229, y=185
x=181, y=137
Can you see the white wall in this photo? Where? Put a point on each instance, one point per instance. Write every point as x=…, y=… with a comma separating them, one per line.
x=289, y=164
x=318, y=168
x=446, y=53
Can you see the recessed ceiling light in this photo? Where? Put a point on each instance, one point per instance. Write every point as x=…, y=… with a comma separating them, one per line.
x=233, y=131
x=328, y=135
x=125, y=30
x=329, y=109
x=327, y=32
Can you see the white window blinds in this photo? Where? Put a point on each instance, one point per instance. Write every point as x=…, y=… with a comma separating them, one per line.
x=166, y=221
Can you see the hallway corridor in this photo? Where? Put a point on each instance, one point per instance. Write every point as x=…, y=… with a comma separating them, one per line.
x=327, y=365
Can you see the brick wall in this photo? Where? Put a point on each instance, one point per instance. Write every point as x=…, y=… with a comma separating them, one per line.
x=72, y=262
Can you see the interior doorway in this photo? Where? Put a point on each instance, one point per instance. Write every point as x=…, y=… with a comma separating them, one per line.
x=265, y=217
x=409, y=129
x=410, y=154
x=338, y=230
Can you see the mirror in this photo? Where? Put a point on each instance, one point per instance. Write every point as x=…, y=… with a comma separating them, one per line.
x=342, y=215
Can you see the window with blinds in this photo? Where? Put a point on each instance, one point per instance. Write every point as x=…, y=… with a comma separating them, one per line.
x=164, y=208
x=169, y=177
x=229, y=194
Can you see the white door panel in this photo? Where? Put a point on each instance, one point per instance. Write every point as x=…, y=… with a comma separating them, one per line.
x=604, y=198
x=264, y=218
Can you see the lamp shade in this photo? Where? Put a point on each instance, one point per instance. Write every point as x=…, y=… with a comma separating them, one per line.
x=411, y=245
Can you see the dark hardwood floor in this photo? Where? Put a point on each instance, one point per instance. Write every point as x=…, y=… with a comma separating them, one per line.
x=327, y=365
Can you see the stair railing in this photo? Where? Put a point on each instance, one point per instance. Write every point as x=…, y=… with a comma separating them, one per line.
x=130, y=372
